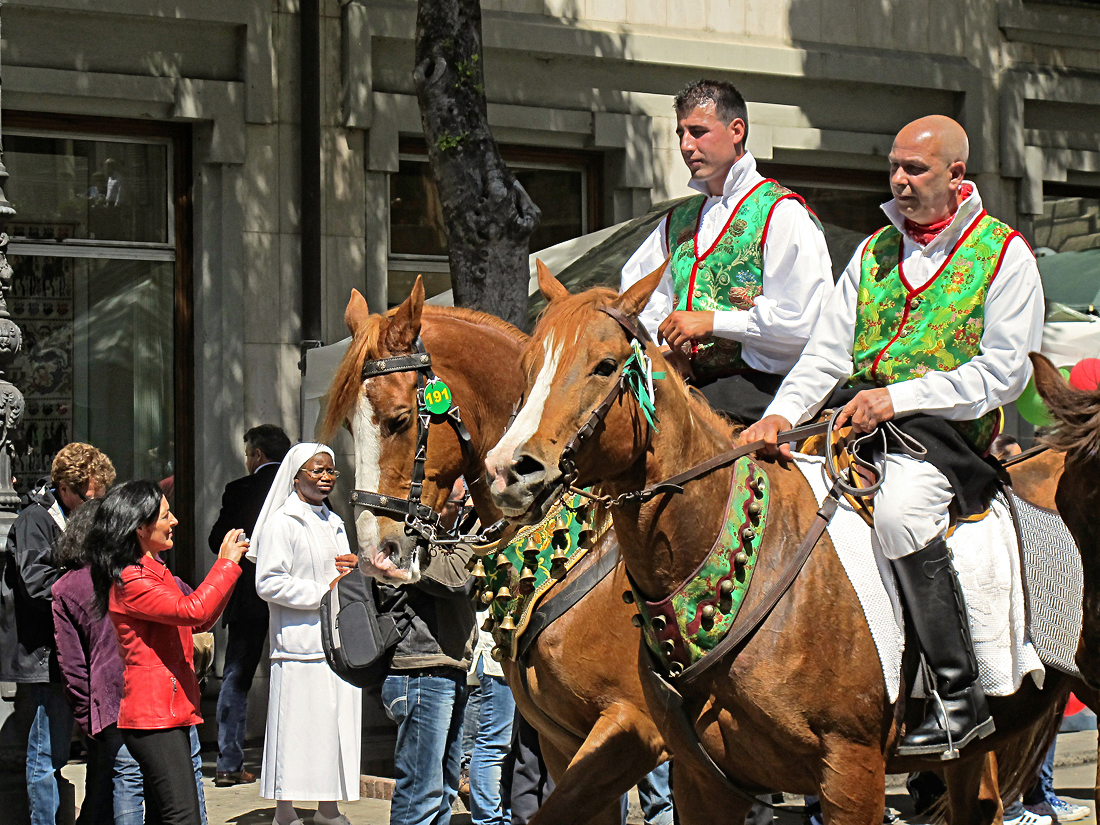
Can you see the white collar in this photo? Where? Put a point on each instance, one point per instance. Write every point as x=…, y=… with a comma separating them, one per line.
x=294, y=506
x=265, y=464
x=967, y=211
x=740, y=176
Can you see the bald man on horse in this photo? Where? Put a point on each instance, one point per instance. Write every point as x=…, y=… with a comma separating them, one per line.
x=929, y=328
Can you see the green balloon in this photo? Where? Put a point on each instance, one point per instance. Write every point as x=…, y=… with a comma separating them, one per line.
x=1032, y=408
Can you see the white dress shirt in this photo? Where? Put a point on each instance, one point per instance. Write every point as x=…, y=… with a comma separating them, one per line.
x=1013, y=326
x=797, y=280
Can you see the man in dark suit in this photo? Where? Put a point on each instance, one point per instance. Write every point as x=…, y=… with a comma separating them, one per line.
x=246, y=614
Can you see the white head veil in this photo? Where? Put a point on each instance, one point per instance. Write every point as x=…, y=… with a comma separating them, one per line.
x=283, y=486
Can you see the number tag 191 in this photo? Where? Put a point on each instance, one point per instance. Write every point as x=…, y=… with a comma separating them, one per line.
x=437, y=397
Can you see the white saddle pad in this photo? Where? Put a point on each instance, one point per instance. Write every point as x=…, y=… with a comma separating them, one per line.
x=988, y=563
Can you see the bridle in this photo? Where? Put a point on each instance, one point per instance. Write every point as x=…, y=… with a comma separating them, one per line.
x=421, y=521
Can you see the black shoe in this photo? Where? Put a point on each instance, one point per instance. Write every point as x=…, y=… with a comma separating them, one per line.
x=936, y=608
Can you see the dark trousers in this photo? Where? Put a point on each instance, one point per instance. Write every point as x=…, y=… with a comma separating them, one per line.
x=743, y=397
x=171, y=797
x=243, y=650
x=526, y=779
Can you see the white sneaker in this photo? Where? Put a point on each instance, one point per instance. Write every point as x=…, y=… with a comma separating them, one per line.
x=1069, y=811
x=1030, y=818
x=324, y=820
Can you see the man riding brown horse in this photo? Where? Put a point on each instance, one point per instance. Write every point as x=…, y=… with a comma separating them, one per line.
x=929, y=328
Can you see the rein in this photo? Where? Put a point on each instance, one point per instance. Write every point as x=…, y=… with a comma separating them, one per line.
x=434, y=405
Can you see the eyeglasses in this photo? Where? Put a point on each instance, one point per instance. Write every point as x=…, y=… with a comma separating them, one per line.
x=324, y=471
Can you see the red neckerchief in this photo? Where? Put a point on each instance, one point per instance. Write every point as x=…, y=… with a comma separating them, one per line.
x=924, y=235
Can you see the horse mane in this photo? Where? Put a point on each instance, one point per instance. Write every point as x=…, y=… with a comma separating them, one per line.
x=366, y=344
x=1078, y=416
x=567, y=318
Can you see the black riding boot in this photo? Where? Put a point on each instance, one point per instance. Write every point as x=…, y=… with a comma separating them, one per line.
x=938, y=612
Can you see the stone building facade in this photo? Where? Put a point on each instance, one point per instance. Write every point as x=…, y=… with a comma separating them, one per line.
x=154, y=152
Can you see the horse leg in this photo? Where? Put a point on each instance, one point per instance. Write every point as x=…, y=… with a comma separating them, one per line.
x=701, y=799
x=973, y=793
x=609, y=763
x=853, y=785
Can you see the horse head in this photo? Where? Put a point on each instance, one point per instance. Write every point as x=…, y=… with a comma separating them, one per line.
x=1077, y=432
x=572, y=362
x=380, y=413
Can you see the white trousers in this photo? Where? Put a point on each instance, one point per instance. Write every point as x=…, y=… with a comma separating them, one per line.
x=911, y=506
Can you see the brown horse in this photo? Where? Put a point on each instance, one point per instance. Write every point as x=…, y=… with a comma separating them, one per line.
x=579, y=685
x=802, y=706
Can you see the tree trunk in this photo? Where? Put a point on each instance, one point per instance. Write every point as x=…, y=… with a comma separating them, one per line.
x=488, y=215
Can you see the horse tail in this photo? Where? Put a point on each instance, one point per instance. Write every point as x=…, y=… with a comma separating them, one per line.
x=1019, y=759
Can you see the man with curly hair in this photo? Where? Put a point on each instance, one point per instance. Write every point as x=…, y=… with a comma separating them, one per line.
x=28, y=655
x=748, y=269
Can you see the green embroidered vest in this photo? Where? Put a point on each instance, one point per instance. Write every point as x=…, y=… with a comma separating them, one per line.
x=729, y=275
x=903, y=333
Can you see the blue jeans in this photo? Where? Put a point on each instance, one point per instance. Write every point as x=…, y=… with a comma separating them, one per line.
x=242, y=654
x=196, y=760
x=470, y=718
x=113, y=789
x=427, y=706
x=656, y=796
x=491, y=745
x=51, y=729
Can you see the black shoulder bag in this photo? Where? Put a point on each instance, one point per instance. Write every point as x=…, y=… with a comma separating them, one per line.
x=359, y=638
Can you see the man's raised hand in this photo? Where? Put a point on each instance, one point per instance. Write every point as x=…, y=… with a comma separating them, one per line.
x=867, y=410
x=683, y=327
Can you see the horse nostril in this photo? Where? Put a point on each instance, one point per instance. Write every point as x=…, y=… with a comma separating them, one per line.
x=528, y=468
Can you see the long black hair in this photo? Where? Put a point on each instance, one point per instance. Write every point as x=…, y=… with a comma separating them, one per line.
x=112, y=542
x=71, y=551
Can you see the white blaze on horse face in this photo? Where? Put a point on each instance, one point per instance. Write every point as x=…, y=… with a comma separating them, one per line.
x=527, y=422
x=368, y=469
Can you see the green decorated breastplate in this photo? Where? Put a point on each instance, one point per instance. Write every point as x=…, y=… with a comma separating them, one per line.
x=516, y=577
x=683, y=628
x=903, y=333
x=729, y=275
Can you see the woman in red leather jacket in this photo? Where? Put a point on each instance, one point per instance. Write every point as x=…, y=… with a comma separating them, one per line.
x=154, y=621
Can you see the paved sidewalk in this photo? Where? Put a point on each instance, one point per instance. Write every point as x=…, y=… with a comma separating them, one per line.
x=1075, y=771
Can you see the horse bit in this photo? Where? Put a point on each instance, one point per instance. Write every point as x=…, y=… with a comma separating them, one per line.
x=421, y=521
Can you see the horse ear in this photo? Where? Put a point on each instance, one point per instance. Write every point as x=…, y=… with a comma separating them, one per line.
x=633, y=301
x=357, y=312
x=405, y=323
x=1052, y=387
x=551, y=288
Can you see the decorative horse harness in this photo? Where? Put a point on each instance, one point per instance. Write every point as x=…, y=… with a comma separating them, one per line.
x=434, y=405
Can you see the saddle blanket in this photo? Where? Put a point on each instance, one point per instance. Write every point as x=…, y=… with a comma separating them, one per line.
x=987, y=560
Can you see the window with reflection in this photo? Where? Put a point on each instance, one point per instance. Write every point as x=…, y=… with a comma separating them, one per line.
x=562, y=184
x=94, y=292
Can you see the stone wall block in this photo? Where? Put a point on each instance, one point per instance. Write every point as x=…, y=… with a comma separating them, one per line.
x=569, y=9
x=290, y=178
x=261, y=253
x=331, y=75
x=271, y=386
x=342, y=170
x=726, y=16
x=804, y=19
x=260, y=181
x=768, y=18
x=947, y=27
x=611, y=10
x=911, y=25
x=839, y=23
x=344, y=270
x=522, y=6
x=876, y=29
x=287, y=71
x=290, y=288
x=647, y=12
x=687, y=14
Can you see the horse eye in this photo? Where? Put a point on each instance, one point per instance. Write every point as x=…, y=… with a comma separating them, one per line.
x=399, y=423
x=606, y=367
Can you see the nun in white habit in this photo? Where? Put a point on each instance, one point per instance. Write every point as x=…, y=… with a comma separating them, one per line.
x=300, y=547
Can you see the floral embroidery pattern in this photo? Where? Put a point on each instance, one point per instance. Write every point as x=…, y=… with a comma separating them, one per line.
x=900, y=335
x=730, y=277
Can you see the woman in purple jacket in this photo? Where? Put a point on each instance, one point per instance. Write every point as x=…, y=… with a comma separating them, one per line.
x=87, y=652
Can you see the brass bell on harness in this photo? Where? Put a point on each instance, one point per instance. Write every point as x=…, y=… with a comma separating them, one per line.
x=756, y=484
x=561, y=524
x=478, y=570
x=754, y=512
x=488, y=624
x=557, y=567
x=526, y=580
x=504, y=594
x=637, y=620
x=741, y=558
x=486, y=596
x=725, y=589
x=628, y=596
x=503, y=562
x=659, y=624
x=668, y=647
x=587, y=537
x=508, y=623
x=497, y=654
x=747, y=536
x=707, y=612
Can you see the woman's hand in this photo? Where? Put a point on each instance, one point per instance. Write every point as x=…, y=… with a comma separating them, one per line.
x=234, y=546
x=344, y=564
